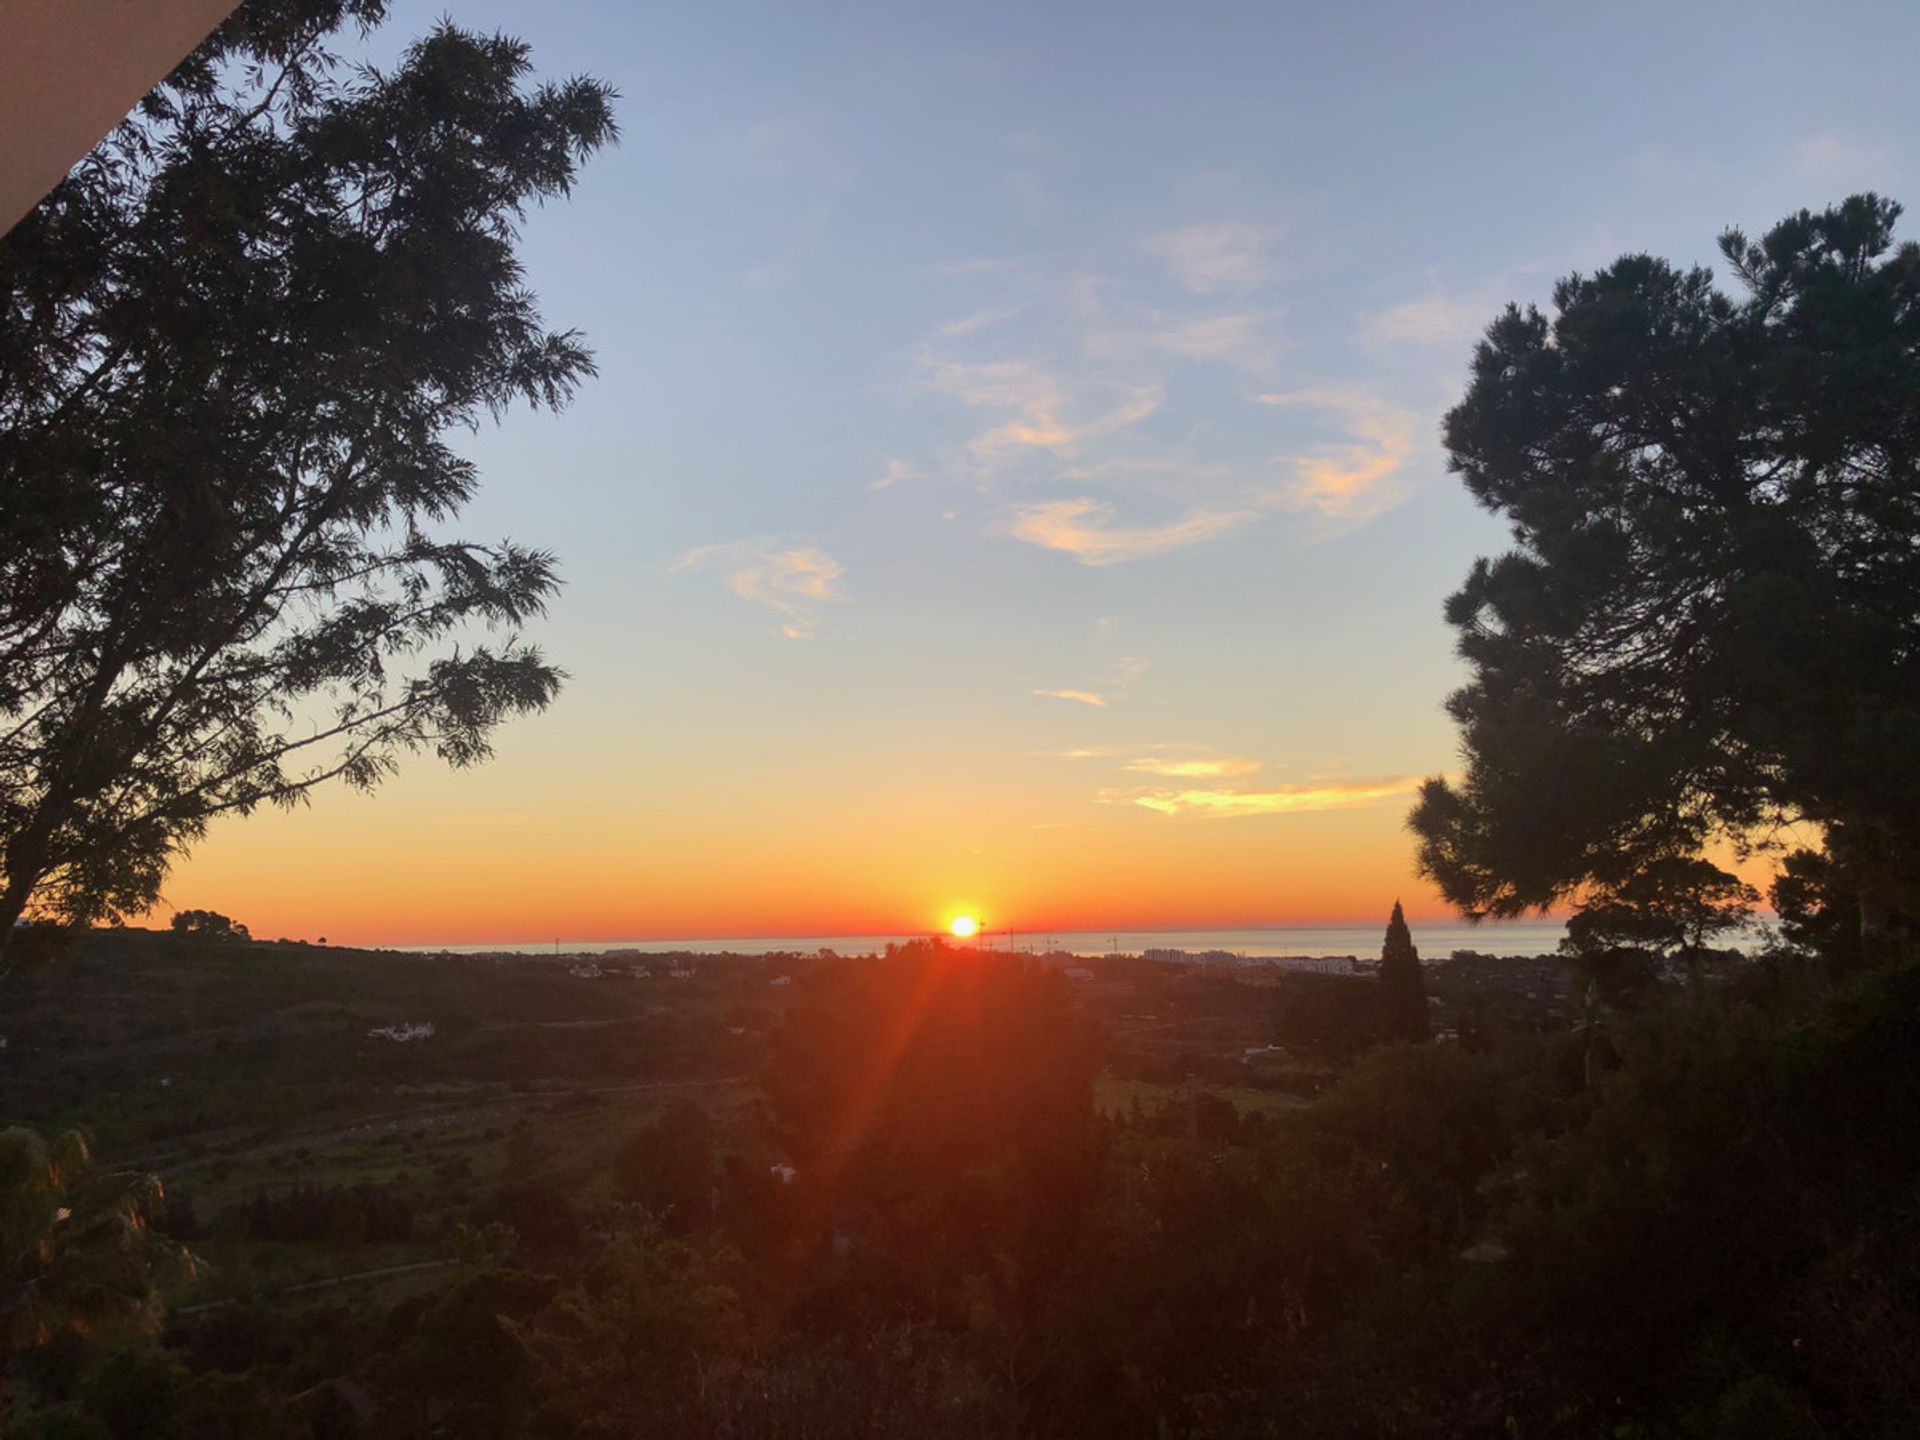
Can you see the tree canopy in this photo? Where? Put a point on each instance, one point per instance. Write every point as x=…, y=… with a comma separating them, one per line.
x=1707, y=627
x=208, y=925
x=232, y=345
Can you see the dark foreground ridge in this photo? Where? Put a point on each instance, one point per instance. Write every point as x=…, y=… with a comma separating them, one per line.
x=952, y=1193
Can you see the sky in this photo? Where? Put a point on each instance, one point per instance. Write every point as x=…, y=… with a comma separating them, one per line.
x=1013, y=482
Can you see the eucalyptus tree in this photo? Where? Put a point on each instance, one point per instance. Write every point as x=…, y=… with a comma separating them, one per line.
x=1709, y=624
x=233, y=345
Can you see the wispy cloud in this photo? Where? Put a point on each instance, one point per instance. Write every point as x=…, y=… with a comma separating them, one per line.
x=1236, y=334
x=1084, y=529
x=1082, y=401
x=1349, y=483
x=1283, y=800
x=1031, y=196
x=898, y=470
x=1212, y=768
x=1206, y=258
x=792, y=580
x=1162, y=470
x=1034, y=405
x=1175, y=760
x=980, y=320
x=1107, y=752
x=1433, y=320
x=1842, y=162
x=1120, y=676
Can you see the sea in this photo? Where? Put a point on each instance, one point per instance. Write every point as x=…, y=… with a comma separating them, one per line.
x=1435, y=942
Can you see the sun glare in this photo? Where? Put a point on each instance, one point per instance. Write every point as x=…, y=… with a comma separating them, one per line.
x=965, y=926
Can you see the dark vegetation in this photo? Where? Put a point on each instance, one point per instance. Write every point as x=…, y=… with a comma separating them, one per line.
x=937, y=1193
x=234, y=340
x=1705, y=631
x=1646, y=1189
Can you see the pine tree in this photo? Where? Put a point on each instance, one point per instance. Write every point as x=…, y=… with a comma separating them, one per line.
x=1704, y=630
x=1402, y=995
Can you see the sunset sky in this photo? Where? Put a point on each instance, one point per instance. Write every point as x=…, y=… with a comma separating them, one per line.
x=1013, y=480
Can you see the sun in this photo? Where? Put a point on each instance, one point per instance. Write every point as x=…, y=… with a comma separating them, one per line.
x=965, y=927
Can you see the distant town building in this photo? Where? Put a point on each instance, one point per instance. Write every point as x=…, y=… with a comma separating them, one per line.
x=422, y=1030
x=781, y=980
x=585, y=970
x=1316, y=964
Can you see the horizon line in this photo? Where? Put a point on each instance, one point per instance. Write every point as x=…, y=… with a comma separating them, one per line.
x=923, y=932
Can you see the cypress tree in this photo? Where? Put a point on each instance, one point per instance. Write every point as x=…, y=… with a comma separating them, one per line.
x=1403, y=998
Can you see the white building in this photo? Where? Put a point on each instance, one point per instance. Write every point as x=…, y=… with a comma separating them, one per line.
x=1317, y=964
x=423, y=1030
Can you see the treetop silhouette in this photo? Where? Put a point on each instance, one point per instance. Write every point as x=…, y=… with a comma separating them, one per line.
x=1706, y=625
x=1403, y=995
x=237, y=337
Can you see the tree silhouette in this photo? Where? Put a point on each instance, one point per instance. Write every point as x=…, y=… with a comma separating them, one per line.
x=1671, y=906
x=208, y=925
x=1707, y=624
x=1402, y=994
x=234, y=339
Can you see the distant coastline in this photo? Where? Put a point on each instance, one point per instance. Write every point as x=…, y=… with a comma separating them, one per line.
x=1436, y=942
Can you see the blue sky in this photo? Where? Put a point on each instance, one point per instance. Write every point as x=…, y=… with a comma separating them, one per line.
x=1017, y=436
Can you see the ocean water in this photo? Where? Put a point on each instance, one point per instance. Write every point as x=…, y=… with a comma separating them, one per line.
x=1435, y=942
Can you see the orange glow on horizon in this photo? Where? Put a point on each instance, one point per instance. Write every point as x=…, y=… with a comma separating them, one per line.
x=411, y=866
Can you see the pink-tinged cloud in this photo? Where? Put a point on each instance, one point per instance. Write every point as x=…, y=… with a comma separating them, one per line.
x=1084, y=529
x=1205, y=258
x=897, y=470
x=1284, y=800
x=1434, y=320
x=1217, y=768
x=791, y=580
x=1840, y=162
x=1103, y=752
x=1039, y=411
x=1349, y=484
x=1081, y=697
